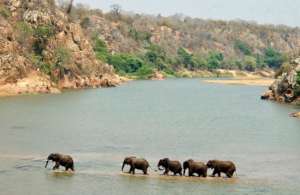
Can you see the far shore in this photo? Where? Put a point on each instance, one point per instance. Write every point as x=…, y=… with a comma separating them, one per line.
x=249, y=82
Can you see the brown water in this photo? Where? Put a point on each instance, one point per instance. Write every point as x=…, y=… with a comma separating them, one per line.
x=180, y=119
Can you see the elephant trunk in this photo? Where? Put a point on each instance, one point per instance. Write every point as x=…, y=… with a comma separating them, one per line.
x=123, y=166
x=46, y=163
x=183, y=171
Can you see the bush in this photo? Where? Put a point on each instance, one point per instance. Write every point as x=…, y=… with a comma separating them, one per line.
x=243, y=47
x=273, y=58
x=188, y=60
x=156, y=56
x=85, y=23
x=62, y=56
x=126, y=63
x=214, y=60
x=44, y=31
x=139, y=35
x=145, y=72
x=286, y=67
x=100, y=49
x=24, y=31
x=4, y=12
x=250, y=63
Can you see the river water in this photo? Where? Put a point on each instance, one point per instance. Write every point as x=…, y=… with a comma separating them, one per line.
x=179, y=119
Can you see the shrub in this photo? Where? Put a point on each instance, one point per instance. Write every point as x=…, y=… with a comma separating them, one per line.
x=24, y=31
x=126, y=63
x=139, y=35
x=250, y=63
x=243, y=47
x=85, y=23
x=187, y=59
x=4, y=12
x=62, y=56
x=100, y=49
x=44, y=31
x=145, y=72
x=214, y=60
x=156, y=56
x=286, y=67
x=273, y=58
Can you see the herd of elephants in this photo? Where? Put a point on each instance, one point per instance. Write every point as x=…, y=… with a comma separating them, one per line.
x=174, y=166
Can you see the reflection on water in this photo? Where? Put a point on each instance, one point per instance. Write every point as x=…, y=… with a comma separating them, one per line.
x=180, y=119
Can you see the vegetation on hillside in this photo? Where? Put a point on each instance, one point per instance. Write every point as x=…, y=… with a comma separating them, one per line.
x=170, y=44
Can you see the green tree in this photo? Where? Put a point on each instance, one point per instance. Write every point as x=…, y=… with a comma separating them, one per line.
x=125, y=63
x=250, y=63
x=186, y=58
x=100, y=49
x=242, y=47
x=273, y=58
x=156, y=56
x=214, y=60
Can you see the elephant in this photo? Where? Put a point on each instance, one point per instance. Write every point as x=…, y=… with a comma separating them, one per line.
x=219, y=167
x=136, y=163
x=61, y=159
x=170, y=165
x=199, y=168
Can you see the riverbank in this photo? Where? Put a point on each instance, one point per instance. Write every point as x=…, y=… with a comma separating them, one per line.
x=250, y=82
x=38, y=83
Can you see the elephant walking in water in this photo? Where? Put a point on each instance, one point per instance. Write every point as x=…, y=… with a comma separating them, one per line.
x=136, y=163
x=194, y=167
x=170, y=165
x=61, y=160
x=219, y=167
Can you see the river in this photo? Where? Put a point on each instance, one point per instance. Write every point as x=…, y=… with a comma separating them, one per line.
x=176, y=118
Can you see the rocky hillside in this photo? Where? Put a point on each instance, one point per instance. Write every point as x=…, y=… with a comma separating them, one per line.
x=42, y=51
x=143, y=44
x=286, y=88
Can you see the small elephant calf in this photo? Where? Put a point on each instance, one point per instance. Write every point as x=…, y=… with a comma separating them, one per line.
x=194, y=167
x=219, y=167
x=61, y=160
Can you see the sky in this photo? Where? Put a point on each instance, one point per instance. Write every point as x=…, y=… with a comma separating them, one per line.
x=285, y=12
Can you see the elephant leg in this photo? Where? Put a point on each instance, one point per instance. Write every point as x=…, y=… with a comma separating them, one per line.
x=56, y=166
x=190, y=173
x=214, y=173
x=229, y=174
x=166, y=172
x=145, y=171
x=204, y=174
x=130, y=170
x=180, y=172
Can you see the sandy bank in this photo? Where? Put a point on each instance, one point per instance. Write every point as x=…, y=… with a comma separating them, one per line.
x=249, y=82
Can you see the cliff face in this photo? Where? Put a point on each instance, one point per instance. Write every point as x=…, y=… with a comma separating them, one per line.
x=42, y=51
x=287, y=87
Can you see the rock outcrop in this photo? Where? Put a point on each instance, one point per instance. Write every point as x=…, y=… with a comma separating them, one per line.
x=40, y=43
x=286, y=87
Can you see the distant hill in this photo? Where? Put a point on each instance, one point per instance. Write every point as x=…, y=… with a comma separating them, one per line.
x=175, y=42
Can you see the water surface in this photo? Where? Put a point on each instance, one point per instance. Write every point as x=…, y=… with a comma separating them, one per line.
x=180, y=119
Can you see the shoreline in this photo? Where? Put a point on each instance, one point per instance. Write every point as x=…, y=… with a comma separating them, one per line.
x=35, y=83
x=264, y=82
